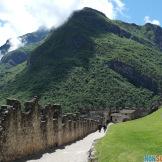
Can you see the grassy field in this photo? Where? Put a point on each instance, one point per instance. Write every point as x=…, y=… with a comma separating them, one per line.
x=131, y=141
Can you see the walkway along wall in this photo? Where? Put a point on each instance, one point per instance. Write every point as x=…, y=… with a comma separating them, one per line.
x=38, y=129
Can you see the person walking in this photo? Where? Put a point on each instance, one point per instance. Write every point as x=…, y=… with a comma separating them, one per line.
x=104, y=127
x=99, y=127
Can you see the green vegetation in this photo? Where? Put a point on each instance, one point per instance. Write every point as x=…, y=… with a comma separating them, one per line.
x=89, y=62
x=131, y=141
x=148, y=32
x=31, y=41
x=7, y=78
x=19, y=55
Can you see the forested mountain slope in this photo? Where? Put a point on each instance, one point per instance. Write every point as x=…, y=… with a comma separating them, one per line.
x=91, y=62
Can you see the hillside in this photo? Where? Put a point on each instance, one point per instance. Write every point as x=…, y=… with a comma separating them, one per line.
x=150, y=32
x=29, y=42
x=132, y=141
x=91, y=62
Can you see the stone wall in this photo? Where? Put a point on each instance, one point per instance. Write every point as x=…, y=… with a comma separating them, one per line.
x=104, y=116
x=37, y=128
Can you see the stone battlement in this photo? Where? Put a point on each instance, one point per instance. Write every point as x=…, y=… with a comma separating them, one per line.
x=37, y=128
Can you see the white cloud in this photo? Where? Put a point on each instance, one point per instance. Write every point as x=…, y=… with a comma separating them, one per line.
x=119, y=6
x=147, y=19
x=23, y=16
x=15, y=43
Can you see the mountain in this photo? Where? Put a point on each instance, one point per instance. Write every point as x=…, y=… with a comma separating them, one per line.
x=91, y=62
x=4, y=48
x=29, y=42
x=149, y=32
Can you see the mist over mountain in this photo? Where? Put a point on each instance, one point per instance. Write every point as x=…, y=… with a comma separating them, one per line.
x=16, y=50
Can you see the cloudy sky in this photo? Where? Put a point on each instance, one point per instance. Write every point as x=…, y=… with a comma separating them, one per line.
x=142, y=11
x=18, y=17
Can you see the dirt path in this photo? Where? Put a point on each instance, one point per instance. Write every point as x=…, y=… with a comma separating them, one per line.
x=76, y=152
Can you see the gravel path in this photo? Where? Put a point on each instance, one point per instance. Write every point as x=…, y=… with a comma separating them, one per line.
x=76, y=152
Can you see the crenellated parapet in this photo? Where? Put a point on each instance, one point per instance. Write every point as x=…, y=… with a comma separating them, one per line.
x=33, y=128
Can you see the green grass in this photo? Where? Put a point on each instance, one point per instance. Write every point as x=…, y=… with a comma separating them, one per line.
x=131, y=141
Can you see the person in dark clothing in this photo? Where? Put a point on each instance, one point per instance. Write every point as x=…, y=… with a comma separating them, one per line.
x=104, y=127
x=99, y=127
